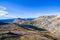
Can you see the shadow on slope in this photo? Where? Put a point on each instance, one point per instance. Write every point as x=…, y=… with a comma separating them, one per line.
x=29, y=27
x=9, y=36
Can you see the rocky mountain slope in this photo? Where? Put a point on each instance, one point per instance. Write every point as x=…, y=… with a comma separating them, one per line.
x=23, y=32
x=41, y=28
x=50, y=23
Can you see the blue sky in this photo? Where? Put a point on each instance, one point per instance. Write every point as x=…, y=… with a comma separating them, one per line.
x=28, y=8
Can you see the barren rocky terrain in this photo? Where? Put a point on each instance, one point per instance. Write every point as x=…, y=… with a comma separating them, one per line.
x=41, y=28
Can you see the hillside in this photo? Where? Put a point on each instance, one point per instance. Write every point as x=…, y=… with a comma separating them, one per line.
x=50, y=23
x=41, y=28
x=23, y=32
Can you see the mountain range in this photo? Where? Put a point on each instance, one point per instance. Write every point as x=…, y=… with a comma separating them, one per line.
x=12, y=19
x=41, y=28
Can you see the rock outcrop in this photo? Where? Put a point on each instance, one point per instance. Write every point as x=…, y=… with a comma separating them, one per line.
x=50, y=23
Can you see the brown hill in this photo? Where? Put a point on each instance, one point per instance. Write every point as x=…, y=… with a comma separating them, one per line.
x=23, y=32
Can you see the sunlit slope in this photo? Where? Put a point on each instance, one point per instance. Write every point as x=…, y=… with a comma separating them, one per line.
x=24, y=32
x=50, y=23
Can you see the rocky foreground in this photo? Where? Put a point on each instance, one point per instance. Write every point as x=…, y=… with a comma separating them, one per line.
x=41, y=28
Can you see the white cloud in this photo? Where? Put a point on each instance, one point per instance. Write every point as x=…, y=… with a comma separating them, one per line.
x=4, y=13
x=2, y=8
